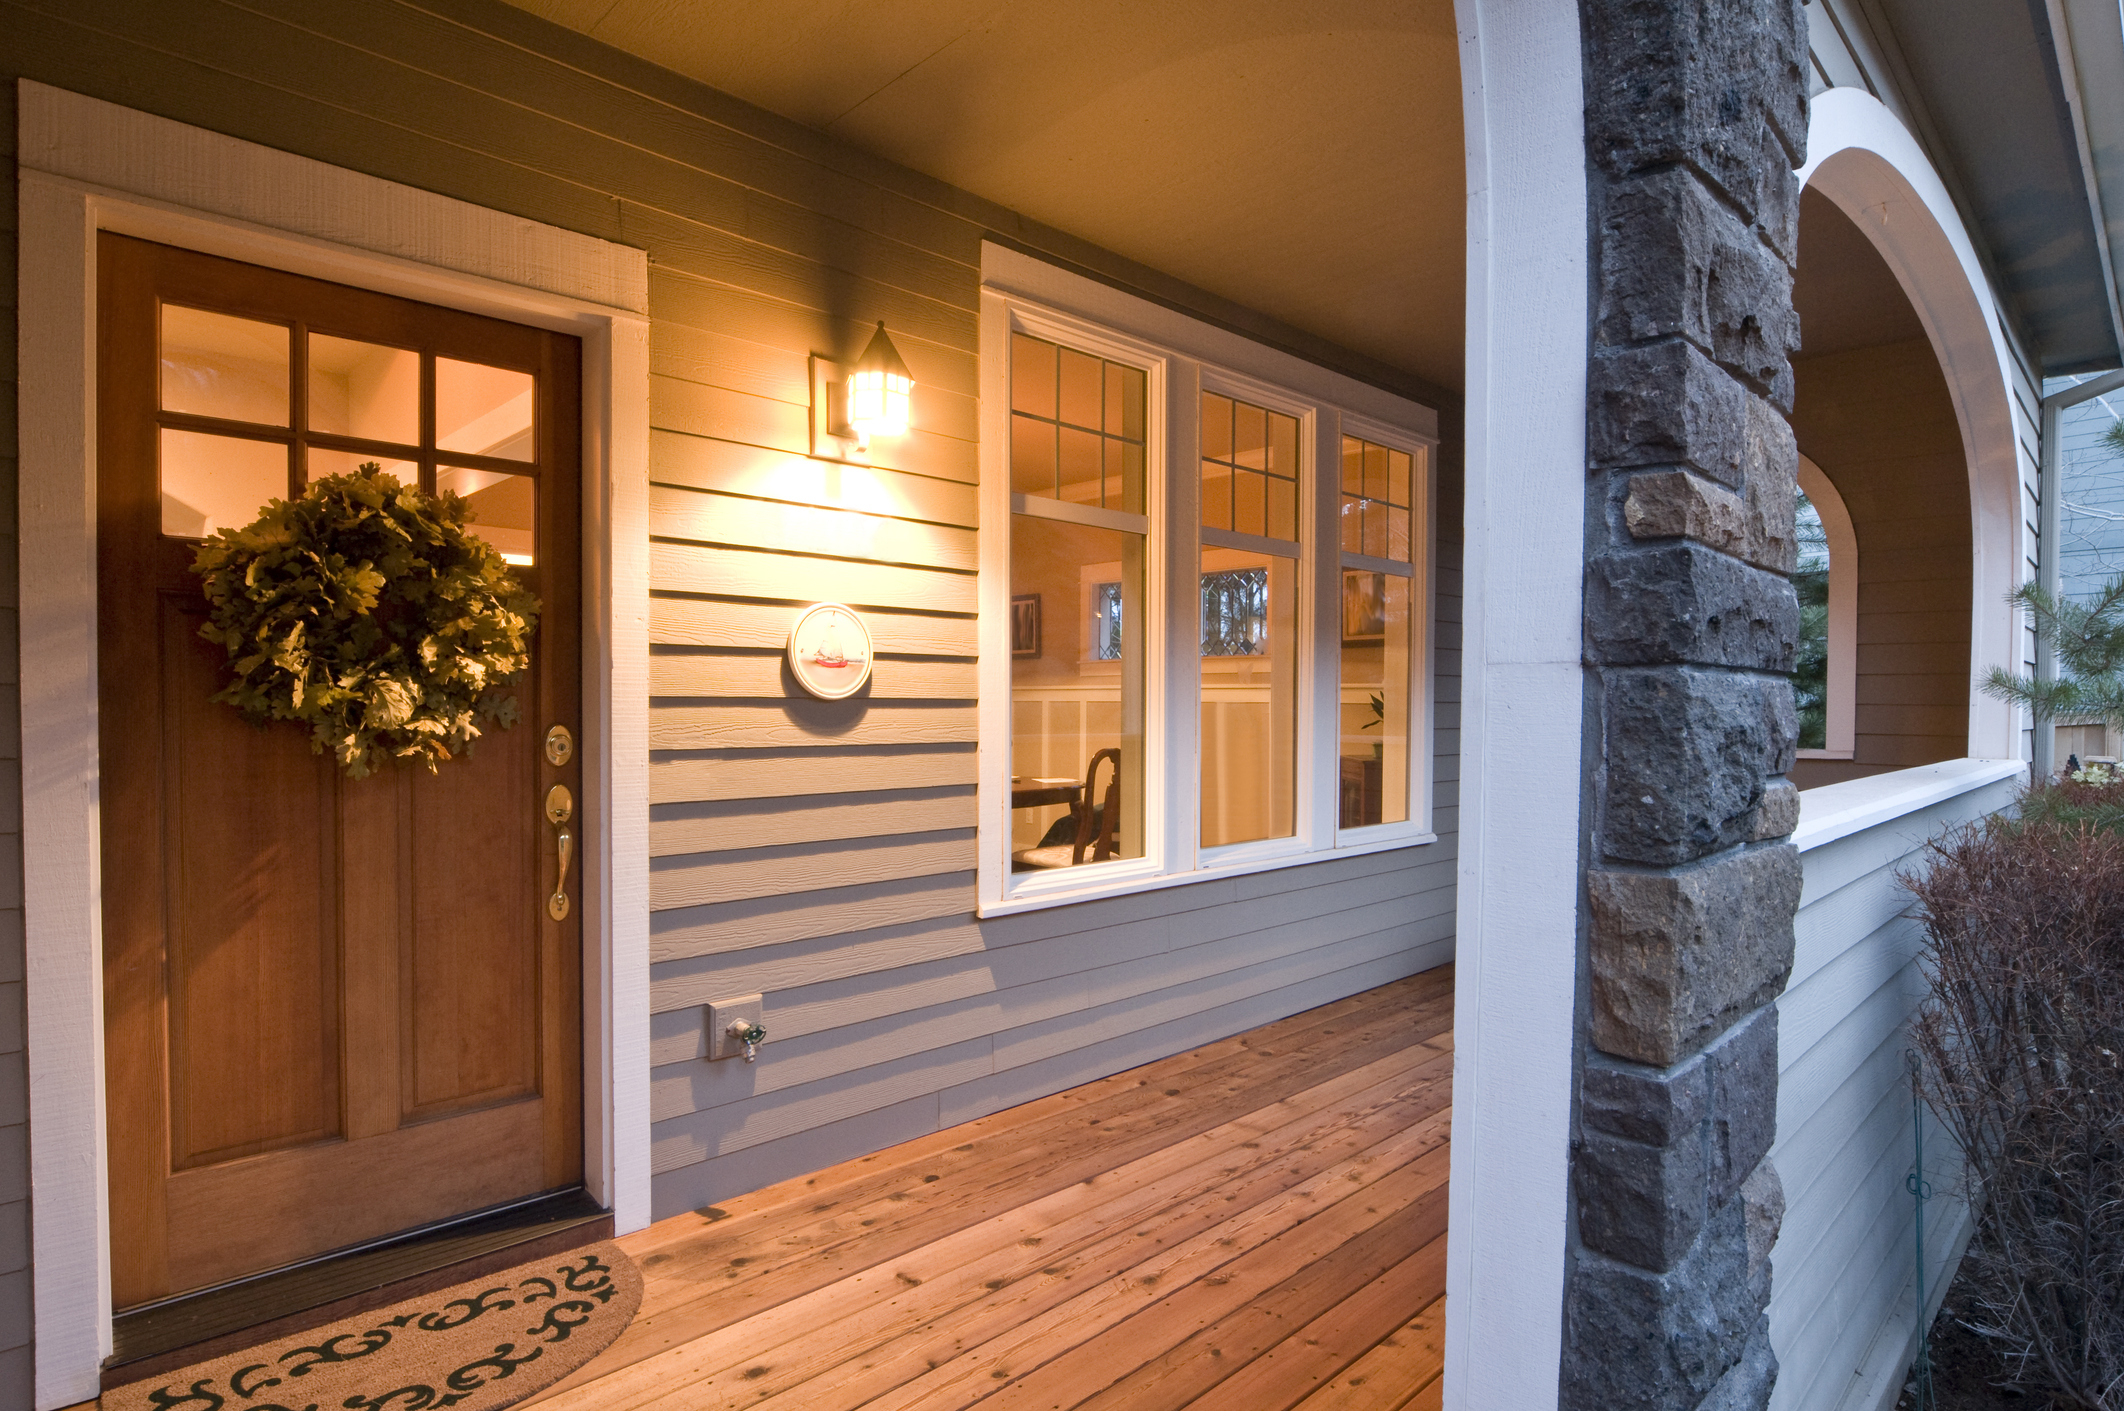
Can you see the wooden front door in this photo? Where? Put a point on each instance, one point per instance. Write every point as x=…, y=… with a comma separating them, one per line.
x=334, y=1009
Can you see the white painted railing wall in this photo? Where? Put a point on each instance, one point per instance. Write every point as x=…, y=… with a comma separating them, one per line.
x=1842, y=1310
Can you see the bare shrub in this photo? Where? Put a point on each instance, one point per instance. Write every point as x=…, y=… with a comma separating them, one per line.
x=2021, y=1039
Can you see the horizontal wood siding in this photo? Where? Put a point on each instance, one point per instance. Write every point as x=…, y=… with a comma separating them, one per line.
x=1842, y=1315
x=819, y=853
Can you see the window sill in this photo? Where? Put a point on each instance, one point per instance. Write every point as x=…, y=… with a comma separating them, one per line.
x=1132, y=880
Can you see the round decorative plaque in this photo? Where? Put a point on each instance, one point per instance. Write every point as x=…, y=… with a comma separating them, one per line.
x=829, y=651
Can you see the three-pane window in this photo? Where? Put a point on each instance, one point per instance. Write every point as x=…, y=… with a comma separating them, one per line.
x=1212, y=597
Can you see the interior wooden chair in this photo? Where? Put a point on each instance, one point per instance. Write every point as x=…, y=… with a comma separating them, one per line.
x=1095, y=827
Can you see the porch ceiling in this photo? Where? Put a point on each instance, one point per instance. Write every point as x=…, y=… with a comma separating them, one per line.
x=1300, y=157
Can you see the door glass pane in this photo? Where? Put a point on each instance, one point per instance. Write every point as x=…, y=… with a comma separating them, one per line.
x=323, y=462
x=1076, y=426
x=1076, y=693
x=364, y=389
x=481, y=410
x=502, y=508
x=1377, y=637
x=211, y=483
x=1249, y=696
x=221, y=365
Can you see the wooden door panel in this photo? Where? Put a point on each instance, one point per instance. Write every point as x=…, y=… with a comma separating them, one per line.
x=253, y=942
x=236, y=1218
x=471, y=1009
x=334, y=1009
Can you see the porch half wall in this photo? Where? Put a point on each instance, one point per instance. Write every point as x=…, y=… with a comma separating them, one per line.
x=834, y=873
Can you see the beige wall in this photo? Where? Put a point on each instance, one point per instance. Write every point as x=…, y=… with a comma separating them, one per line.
x=1880, y=424
x=821, y=853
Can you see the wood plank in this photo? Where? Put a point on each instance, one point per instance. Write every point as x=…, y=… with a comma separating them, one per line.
x=852, y=815
x=823, y=770
x=1313, y=1357
x=757, y=872
x=897, y=1201
x=726, y=622
x=806, y=722
x=1407, y=1361
x=706, y=517
x=847, y=1343
x=1095, y=1221
x=798, y=578
x=759, y=675
x=705, y=463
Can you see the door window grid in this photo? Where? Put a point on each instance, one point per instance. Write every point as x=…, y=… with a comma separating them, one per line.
x=231, y=387
x=1076, y=426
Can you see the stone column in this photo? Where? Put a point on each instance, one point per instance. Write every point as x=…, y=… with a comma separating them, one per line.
x=1695, y=119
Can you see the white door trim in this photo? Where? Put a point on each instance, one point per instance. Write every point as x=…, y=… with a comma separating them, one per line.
x=86, y=166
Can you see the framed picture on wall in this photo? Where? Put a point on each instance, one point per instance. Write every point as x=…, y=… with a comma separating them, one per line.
x=1025, y=625
x=1363, y=606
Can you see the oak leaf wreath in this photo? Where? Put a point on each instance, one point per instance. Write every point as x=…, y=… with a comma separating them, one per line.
x=366, y=610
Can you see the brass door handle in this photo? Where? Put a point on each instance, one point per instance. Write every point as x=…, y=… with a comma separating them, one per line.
x=560, y=807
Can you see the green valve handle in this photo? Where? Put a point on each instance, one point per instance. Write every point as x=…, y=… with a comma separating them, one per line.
x=750, y=1035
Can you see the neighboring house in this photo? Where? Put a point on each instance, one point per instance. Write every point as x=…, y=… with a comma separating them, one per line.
x=1242, y=511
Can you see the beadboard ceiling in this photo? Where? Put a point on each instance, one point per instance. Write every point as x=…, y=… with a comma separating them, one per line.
x=1301, y=157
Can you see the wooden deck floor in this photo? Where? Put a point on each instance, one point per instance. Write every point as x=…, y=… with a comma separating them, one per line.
x=1258, y=1225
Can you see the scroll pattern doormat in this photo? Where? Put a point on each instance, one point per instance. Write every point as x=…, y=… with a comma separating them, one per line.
x=476, y=1346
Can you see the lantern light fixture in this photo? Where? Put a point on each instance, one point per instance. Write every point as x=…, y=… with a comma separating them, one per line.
x=878, y=390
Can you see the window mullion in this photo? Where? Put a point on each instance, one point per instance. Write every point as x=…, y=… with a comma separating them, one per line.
x=1178, y=721
x=1322, y=531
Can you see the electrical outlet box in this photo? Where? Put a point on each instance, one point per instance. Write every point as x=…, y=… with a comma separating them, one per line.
x=722, y=1013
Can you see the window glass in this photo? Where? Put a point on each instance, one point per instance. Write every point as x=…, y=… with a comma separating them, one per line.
x=1076, y=426
x=1249, y=696
x=501, y=508
x=483, y=411
x=1377, y=635
x=223, y=366
x=212, y=483
x=1077, y=629
x=324, y=462
x=1810, y=670
x=1077, y=605
x=1249, y=469
x=364, y=389
x=1376, y=485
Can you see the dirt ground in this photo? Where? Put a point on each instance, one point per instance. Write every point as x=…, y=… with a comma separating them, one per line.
x=1963, y=1368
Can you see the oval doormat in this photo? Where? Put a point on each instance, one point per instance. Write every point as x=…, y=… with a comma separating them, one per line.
x=476, y=1346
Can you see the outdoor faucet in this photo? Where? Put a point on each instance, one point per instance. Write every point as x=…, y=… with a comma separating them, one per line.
x=750, y=1035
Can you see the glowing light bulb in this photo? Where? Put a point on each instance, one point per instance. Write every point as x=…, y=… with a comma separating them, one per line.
x=878, y=390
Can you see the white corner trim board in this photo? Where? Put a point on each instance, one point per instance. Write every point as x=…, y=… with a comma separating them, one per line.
x=87, y=166
x=1862, y=158
x=1514, y=989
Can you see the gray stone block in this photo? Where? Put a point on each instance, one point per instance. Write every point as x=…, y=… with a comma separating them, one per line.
x=1743, y=1064
x=1700, y=82
x=1754, y=525
x=1655, y=1105
x=1686, y=752
x=1679, y=956
x=1676, y=261
x=1666, y=404
x=1748, y=1383
x=1778, y=814
x=1639, y=1202
x=1685, y=603
x=1642, y=1341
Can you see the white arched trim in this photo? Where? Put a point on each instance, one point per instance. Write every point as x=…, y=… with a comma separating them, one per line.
x=1862, y=158
x=1841, y=738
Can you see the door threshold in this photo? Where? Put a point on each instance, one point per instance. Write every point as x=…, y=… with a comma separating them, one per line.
x=174, y=1332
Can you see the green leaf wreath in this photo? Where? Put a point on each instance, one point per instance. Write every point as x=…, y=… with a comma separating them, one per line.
x=367, y=611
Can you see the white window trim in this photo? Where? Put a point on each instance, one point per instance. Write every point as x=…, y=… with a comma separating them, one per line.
x=88, y=166
x=1840, y=738
x=1182, y=356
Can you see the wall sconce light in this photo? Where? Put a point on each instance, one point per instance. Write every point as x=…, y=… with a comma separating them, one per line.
x=869, y=400
x=878, y=390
